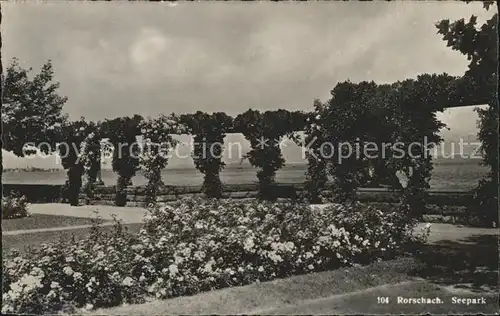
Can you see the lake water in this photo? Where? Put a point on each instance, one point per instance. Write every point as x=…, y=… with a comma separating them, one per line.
x=449, y=174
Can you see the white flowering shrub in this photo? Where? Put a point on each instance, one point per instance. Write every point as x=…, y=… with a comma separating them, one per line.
x=157, y=143
x=90, y=158
x=317, y=171
x=199, y=245
x=14, y=206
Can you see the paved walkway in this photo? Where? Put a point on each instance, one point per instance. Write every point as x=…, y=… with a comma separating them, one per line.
x=128, y=215
x=441, y=231
x=132, y=215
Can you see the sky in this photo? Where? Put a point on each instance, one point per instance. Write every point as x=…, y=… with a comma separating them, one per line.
x=123, y=58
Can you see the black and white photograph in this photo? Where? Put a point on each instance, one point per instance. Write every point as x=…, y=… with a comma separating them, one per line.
x=249, y=157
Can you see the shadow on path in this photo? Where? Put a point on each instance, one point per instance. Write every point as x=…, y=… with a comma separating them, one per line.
x=470, y=263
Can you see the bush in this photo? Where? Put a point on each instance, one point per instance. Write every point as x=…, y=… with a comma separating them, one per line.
x=199, y=245
x=121, y=193
x=14, y=206
x=484, y=206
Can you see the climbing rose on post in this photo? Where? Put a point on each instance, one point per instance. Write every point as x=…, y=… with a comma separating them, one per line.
x=265, y=132
x=209, y=131
x=122, y=133
x=157, y=142
x=74, y=134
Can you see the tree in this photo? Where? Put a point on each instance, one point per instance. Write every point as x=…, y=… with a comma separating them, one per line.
x=316, y=174
x=481, y=48
x=73, y=134
x=122, y=134
x=415, y=103
x=209, y=131
x=264, y=131
x=401, y=115
x=91, y=157
x=31, y=109
x=344, y=124
x=157, y=142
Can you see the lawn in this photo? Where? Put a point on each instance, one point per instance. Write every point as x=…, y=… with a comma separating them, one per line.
x=39, y=221
x=344, y=291
x=281, y=292
x=366, y=302
x=22, y=241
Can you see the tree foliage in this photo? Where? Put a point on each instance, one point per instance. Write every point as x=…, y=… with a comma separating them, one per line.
x=73, y=135
x=157, y=142
x=316, y=173
x=122, y=133
x=31, y=109
x=346, y=125
x=265, y=131
x=415, y=104
x=380, y=127
x=91, y=158
x=479, y=44
x=209, y=131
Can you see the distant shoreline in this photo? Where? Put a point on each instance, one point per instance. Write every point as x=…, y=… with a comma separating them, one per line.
x=236, y=166
x=230, y=165
x=32, y=169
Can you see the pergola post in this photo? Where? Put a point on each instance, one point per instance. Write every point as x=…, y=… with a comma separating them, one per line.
x=106, y=149
x=98, y=173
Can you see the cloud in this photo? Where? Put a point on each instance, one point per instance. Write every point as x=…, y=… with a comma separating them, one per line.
x=148, y=48
x=115, y=59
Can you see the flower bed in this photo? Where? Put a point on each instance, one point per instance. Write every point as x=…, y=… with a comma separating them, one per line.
x=198, y=245
x=14, y=206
